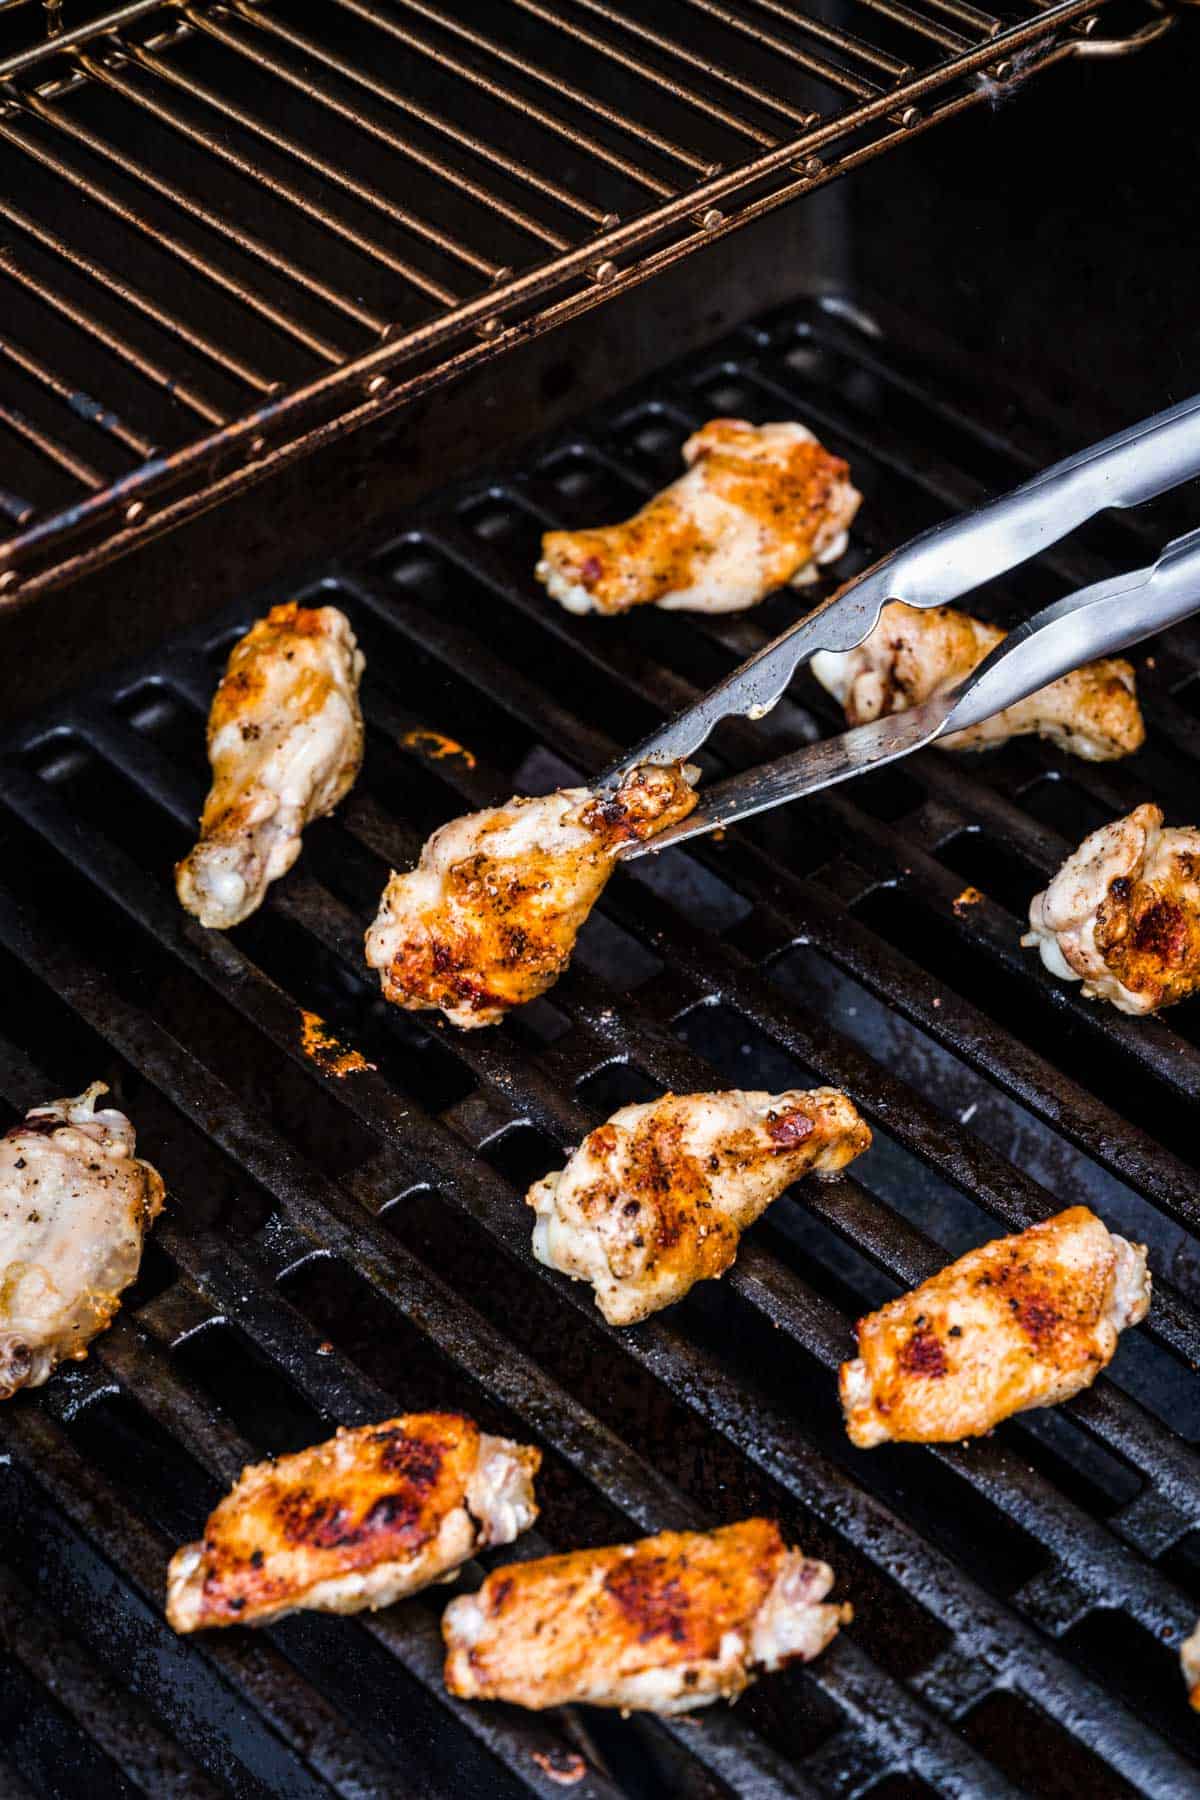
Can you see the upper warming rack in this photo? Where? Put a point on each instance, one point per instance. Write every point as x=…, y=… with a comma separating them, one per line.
x=229, y=231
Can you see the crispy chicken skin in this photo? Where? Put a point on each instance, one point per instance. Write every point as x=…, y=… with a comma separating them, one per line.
x=760, y=505
x=1189, y=1662
x=916, y=652
x=1021, y=1322
x=656, y=1199
x=371, y=1515
x=285, y=740
x=74, y=1207
x=1123, y=914
x=664, y=1625
x=489, y=917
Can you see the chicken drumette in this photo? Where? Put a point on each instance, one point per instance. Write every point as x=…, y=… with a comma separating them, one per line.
x=664, y=1625
x=1189, y=1662
x=916, y=652
x=656, y=1199
x=360, y=1521
x=760, y=505
x=74, y=1206
x=1021, y=1322
x=488, y=918
x=285, y=740
x=1123, y=914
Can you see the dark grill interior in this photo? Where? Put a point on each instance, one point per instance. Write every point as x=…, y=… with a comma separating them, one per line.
x=334, y=1250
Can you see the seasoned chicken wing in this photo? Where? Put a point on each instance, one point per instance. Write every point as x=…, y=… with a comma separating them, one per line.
x=760, y=505
x=74, y=1206
x=664, y=1625
x=656, y=1199
x=285, y=740
x=1021, y=1322
x=1123, y=914
x=360, y=1521
x=1189, y=1662
x=916, y=652
x=489, y=917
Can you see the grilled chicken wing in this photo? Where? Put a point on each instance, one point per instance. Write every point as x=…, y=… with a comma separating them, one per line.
x=1189, y=1662
x=1123, y=914
x=665, y=1625
x=285, y=740
x=1021, y=1322
x=74, y=1206
x=760, y=505
x=360, y=1521
x=916, y=652
x=489, y=917
x=656, y=1199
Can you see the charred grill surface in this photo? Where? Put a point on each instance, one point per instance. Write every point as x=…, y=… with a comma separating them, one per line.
x=338, y=1247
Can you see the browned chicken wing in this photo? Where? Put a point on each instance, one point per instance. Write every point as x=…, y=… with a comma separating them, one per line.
x=760, y=505
x=665, y=1625
x=360, y=1521
x=916, y=652
x=1123, y=914
x=1189, y=1662
x=1021, y=1322
x=75, y=1204
x=656, y=1199
x=285, y=740
x=489, y=917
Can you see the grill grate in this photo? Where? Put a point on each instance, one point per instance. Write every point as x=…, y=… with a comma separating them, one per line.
x=335, y=1250
x=233, y=231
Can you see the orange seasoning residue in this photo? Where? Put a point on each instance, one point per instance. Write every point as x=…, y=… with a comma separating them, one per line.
x=970, y=896
x=432, y=743
x=561, y=1766
x=325, y=1049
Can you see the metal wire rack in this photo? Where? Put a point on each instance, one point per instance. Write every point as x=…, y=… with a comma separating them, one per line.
x=335, y=1250
x=230, y=232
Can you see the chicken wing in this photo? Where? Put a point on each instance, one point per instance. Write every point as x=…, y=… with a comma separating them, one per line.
x=74, y=1206
x=285, y=740
x=1021, y=1322
x=915, y=652
x=656, y=1199
x=760, y=505
x=1189, y=1662
x=489, y=917
x=371, y=1515
x=1123, y=914
x=664, y=1625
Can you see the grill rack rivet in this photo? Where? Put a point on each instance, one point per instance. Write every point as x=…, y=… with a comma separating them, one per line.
x=377, y=385
x=256, y=446
x=489, y=327
x=603, y=271
x=134, y=511
x=9, y=579
x=712, y=218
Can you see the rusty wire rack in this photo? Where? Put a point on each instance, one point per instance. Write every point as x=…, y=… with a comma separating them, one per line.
x=231, y=232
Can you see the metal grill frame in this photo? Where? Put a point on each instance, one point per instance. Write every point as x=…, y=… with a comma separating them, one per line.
x=883, y=102
x=991, y=1643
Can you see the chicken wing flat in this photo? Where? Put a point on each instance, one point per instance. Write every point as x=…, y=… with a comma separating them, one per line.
x=360, y=1521
x=1123, y=914
x=1021, y=1322
x=285, y=740
x=656, y=1199
x=665, y=1625
x=916, y=652
x=489, y=917
x=1189, y=1662
x=760, y=505
x=74, y=1207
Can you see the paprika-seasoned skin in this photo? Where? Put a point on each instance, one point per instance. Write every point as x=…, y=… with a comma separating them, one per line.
x=1021, y=1322
x=371, y=1515
x=1123, y=914
x=664, y=1625
x=489, y=917
x=916, y=652
x=657, y=1199
x=285, y=740
x=759, y=506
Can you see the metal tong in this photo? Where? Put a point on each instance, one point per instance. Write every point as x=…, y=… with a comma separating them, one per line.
x=937, y=567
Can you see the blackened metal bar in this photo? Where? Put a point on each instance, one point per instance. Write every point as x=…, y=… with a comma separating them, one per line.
x=50, y=450
x=803, y=59
x=81, y=404
x=836, y=38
